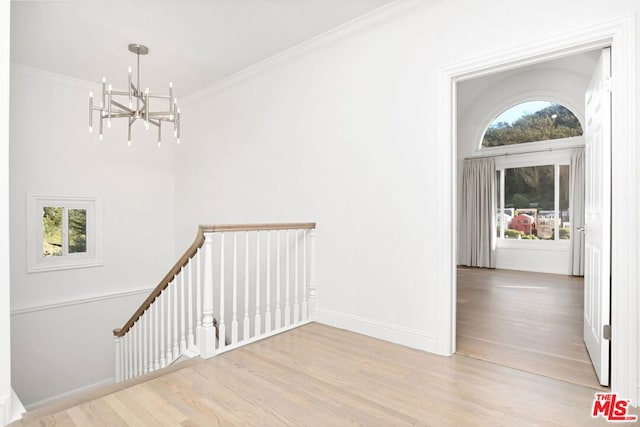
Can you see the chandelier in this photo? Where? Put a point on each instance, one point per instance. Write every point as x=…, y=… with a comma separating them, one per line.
x=135, y=104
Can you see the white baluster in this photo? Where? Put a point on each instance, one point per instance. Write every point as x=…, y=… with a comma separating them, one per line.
x=287, y=308
x=305, y=308
x=296, y=283
x=278, y=284
x=258, y=327
x=312, y=274
x=183, y=313
x=162, y=319
x=190, y=338
x=175, y=333
x=267, y=314
x=198, y=294
x=206, y=335
x=118, y=359
x=245, y=321
x=234, y=320
x=221, y=326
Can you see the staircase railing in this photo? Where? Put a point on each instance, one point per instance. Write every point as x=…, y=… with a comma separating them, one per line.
x=234, y=285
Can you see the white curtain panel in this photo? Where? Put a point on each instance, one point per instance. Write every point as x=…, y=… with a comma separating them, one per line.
x=478, y=213
x=577, y=187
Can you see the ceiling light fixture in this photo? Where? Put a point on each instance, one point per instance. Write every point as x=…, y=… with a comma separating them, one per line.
x=136, y=105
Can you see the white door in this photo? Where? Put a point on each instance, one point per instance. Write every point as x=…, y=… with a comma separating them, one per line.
x=597, y=228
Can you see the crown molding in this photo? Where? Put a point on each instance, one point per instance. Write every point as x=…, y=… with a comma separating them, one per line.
x=59, y=78
x=368, y=22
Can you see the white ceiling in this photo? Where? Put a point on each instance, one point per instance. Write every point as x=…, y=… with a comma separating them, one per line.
x=192, y=43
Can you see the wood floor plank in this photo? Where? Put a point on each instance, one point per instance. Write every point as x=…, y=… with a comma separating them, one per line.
x=317, y=375
x=524, y=320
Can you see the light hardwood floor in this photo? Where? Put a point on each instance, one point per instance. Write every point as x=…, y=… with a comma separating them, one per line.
x=527, y=321
x=317, y=375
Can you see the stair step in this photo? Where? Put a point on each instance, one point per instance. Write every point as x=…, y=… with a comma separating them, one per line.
x=71, y=401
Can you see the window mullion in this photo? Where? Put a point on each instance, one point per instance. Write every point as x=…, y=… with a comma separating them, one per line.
x=65, y=231
x=556, y=202
x=501, y=203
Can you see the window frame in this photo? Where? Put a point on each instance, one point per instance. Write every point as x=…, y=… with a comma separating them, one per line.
x=36, y=261
x=557, y=158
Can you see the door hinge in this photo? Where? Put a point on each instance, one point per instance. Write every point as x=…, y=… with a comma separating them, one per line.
x=607, y=84
x=606, y=332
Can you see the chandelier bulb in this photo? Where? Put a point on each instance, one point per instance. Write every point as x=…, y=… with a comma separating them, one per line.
x=90, y=129
x=159, y=144
x=129, y=143
x=171, y=84
x=146, y=125
x=178, y=141
x=104, y=79
x=109, y=123
x=100, y=137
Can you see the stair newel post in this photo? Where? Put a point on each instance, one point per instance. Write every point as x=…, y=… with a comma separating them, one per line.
x=135, y=349
x=257, y=319
x=156, y=330
x=296, y=283
x=144, y=320
x=221, y=325
x=190, y=339
x=312, y=274
x=287, y=308
x=176, y=332
x=267, y=314
x=206, y=331
x=183, y=312
x=169, y=296
x=278, y=283
x=118, y=358
x=234, y=320
x=245, y=320
x=305, y=308
x=160, y=301
x=198, y=293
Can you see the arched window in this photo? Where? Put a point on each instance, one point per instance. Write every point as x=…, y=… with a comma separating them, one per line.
x=531, y=121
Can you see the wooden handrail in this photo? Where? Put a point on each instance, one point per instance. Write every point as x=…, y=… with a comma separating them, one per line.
x=190, y=253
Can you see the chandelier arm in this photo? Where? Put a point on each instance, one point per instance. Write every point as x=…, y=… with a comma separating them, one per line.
x=117, y=104
x=119, y=92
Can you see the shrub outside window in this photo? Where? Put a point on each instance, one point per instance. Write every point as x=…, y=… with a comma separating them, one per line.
x=531, y=121
x=64, y=232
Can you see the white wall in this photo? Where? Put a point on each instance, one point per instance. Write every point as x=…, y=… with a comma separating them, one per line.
x=5, y=329
x=480, y=100
x=53, y=153
x=346, y=136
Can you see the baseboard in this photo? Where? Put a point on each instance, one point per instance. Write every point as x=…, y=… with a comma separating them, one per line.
x=385, y=331
x=70, y=393
x=17, y=409
x=5, y=410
